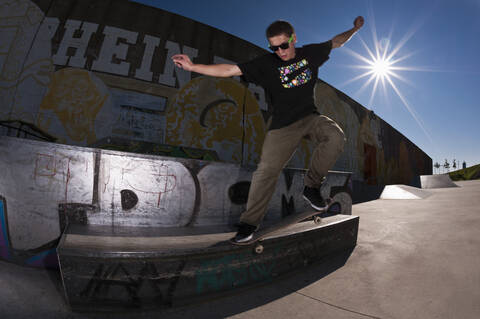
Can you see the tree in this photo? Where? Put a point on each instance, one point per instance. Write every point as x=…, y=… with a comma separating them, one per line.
x=447, y=165
x=454, y=165
x=437, y=166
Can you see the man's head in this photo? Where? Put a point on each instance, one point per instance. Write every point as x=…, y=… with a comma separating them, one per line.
x=282, y=38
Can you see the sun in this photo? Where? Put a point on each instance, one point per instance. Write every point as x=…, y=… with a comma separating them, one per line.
x=382, y=70
x=381, y=67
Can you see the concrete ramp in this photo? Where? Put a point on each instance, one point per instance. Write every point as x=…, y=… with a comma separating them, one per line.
x=436, y=181
x=403, y=192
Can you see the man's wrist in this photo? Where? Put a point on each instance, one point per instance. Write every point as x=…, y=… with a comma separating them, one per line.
x=193, y=68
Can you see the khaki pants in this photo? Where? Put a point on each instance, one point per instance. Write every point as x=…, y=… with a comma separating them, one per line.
x=278, y=148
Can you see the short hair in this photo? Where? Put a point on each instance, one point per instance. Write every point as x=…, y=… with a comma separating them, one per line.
x=279, y=27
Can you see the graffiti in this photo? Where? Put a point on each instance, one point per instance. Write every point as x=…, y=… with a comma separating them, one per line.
x=233, y=271
x=159, y=178
x=129, y=199
x=119, y=279
x=110, y=282
x=81, y=82
x=288, y=206
x=130, y=190
x=73, y=102
x=4, y=237
x=44, y=258
x=140, y=116
x=238, y=193
x=25, y=60
x=217, y=114
x=52, y=172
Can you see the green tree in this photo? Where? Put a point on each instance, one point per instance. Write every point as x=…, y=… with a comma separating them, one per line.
x=447, y=165
x=437, y=166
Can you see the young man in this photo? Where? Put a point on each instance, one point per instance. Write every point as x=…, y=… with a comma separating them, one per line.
x=288, y=76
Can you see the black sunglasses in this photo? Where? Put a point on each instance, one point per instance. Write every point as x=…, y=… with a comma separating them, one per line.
x=282, y=46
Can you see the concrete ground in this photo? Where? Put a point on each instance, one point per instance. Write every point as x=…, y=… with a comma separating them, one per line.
x=414, y=259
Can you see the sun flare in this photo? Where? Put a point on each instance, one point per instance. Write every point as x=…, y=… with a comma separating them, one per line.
x=381, y=67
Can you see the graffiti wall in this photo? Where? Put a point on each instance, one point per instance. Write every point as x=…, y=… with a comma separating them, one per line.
x=43, y=185
x=99, y=73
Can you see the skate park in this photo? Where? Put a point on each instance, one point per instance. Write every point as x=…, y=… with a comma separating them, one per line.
x=413, y=257
x=123, y=207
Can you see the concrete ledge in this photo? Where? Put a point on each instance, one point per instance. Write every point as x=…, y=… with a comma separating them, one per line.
x=403, y=192
x=106, y=272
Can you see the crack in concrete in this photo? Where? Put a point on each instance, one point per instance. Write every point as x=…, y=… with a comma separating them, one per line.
x=338, y=307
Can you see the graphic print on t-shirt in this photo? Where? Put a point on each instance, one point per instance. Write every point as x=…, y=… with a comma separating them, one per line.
x=289, y=79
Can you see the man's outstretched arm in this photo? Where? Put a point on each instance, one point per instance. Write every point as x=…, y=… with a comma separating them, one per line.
x=342, y=38
x=218, y=70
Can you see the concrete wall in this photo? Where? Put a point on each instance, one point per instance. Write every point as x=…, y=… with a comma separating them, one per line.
x=43, y=184
x=98, y=73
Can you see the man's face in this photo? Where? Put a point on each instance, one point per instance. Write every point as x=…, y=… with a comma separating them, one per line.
x=284, y=54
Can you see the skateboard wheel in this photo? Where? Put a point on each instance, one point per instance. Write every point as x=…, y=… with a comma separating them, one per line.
x=317, y=219
x=259, y=249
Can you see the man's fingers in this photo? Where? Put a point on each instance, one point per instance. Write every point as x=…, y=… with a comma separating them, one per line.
x=359, y=20
x=178, y=57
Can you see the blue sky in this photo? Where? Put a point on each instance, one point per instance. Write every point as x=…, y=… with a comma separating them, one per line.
x=435, y=105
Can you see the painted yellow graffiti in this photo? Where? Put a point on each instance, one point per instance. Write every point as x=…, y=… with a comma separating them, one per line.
x=207, y=114
x=75, y=99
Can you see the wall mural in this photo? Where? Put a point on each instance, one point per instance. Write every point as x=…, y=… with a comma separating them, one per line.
x=96, y=81
x=106, y=80
x=211, y=113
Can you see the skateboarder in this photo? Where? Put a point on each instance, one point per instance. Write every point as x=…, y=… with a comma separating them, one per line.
x=288, y=75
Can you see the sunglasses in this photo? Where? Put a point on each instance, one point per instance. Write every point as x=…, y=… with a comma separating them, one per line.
x=282, y=46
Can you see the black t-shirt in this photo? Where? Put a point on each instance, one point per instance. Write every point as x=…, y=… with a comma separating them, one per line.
x=288, y=84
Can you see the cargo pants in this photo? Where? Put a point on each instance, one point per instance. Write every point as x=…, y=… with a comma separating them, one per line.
x=279, y=146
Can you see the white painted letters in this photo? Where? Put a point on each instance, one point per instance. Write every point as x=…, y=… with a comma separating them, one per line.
x=144, y=72
x=111, y=48
x=80, y=44
x=183, y=76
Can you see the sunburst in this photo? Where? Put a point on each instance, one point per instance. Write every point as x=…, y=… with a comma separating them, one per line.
x=381, y=65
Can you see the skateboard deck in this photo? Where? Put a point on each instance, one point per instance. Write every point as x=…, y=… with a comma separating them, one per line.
x=259, y=235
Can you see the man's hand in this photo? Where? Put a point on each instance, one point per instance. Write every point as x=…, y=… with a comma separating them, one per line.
x=358, y=23
x=342, y=38
x=183, y=61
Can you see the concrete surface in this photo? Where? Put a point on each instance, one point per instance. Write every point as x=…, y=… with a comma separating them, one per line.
x=436, y=181
x=414, y=259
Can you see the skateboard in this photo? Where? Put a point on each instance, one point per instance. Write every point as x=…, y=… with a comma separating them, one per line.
x=259, y=235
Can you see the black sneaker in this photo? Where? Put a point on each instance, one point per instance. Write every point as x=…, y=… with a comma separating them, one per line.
x=314, y=198
x=244, y=234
